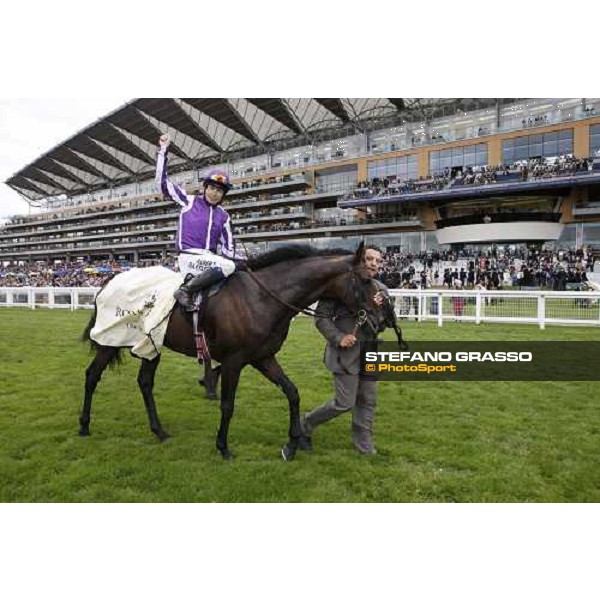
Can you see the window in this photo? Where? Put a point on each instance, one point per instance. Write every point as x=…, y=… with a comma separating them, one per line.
x=336, y=180
x=551, y=144
x=466, y=156
x=529, y=146
x=401, y=167
x=595, y=140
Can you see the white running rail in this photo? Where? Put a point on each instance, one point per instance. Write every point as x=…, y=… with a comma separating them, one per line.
x=557, y=308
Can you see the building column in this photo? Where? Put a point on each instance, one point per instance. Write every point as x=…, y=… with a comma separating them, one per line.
x=428, y=217
x=363, y=170
x=423, y=158
x=495, y=152
x=581, y=140
x=578, y=236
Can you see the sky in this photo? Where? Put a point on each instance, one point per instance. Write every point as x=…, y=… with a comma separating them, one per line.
x=30, y=127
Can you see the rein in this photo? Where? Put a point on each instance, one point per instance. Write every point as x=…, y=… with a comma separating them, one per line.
x=361, y=315
x=305, y=311
x=309, y=312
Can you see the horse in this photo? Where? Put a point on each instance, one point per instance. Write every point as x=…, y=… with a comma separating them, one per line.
x=246, y=323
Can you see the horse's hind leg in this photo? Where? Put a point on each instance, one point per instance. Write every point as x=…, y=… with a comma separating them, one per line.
x=93, y=374
x=146, y=382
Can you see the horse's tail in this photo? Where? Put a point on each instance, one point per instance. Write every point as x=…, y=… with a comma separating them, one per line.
x=86, y=337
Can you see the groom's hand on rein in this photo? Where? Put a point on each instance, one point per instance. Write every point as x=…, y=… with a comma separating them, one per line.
x=348, y=341
x=379, y=298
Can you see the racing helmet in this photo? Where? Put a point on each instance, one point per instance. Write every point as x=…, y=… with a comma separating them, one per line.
x=218, y=178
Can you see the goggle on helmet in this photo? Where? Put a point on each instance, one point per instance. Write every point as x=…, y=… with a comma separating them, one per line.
x=219, y=179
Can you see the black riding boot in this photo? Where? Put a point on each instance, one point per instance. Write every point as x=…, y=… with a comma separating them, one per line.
x=185, y=294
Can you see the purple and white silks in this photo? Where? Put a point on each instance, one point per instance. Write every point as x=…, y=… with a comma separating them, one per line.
x=202, y=227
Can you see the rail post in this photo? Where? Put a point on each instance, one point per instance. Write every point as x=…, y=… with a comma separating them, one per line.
x=542, y=310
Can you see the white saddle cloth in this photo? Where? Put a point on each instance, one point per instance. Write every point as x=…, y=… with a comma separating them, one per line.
x=133, y=310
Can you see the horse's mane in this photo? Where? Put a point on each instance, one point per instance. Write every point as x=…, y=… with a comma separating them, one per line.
x=292, y=252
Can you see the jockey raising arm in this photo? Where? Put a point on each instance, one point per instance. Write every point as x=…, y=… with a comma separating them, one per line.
x=204, y=228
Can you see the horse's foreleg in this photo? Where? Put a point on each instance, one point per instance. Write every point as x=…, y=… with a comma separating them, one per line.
x=230, y=373
x=146, y=382
x=93, y=374
x=272, y=370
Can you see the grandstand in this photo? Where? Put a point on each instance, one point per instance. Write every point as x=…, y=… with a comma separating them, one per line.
x=414, y=174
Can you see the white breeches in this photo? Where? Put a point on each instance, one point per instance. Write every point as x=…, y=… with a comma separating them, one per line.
x=197, y=261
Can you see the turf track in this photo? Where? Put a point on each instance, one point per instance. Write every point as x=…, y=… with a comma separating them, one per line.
x=498, y=442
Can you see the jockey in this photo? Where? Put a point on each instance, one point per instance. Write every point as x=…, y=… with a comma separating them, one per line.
x=203, y=224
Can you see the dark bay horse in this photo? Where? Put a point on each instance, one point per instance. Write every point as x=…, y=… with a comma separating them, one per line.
x=246, y=323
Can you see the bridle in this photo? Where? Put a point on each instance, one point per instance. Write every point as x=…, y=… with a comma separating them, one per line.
x=360, y=314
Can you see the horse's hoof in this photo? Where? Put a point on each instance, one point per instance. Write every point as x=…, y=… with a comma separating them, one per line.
x=210, y=396
x=288, y=452
x=226, y=454
x=163, y=436
x=84, y=433
x=305, y=443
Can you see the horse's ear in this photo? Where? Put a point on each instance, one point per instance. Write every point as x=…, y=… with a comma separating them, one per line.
x=359, y=255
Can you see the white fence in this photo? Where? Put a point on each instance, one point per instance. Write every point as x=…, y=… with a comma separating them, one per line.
x=562, y=308
x=559, y=308
x=48, y=297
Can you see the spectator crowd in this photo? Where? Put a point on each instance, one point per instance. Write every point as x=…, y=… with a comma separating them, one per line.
x=497, y=268
x=69, y=273
x=523, y=170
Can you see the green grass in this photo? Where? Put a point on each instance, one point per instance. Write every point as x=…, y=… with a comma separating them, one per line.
x=438, y=442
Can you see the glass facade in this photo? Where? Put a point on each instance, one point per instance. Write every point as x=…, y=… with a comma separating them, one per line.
x=567, y=238
x=595, y=140
x=347, y=243
x=336, y=180
x=466, y=156
x=402, y=167
x=591, y=234
x=406, y=241
x=524, y=147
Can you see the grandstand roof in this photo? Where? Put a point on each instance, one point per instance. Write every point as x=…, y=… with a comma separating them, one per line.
x=120, y=147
